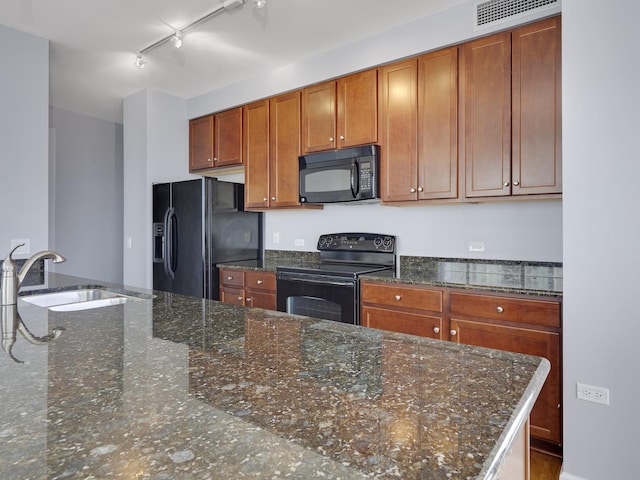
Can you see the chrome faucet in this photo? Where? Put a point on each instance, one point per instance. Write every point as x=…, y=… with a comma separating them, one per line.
x=11, y=281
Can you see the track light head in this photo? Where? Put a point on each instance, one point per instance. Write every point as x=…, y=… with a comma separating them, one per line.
x=139, y=61
x=260, y=3
x=177, y=39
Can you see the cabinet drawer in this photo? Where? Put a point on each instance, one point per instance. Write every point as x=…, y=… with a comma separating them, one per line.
x=421, y=298
x=232, y=278
x=535, y=312
x=260, y=281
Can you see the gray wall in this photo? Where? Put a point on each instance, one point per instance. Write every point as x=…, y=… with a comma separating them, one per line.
x=24, y=170
x=87, y=195
x=601, y=230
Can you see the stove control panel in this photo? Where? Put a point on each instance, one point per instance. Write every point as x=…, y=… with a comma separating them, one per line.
x=363, y=242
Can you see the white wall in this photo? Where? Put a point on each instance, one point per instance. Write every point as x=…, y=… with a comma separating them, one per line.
x=24, y=140
x=156, y=149
x=601, y=230
x=87, y=195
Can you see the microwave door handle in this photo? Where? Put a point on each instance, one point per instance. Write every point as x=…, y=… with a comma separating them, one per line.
x=355, y=179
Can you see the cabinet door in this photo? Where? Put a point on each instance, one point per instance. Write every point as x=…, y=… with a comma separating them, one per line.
x=284, y=127
x=358, y=109
x=438, y=124
x=537, y=121
x=201, y=143
x=232, y=295
x=256, y=154
x=398, y=131
x=319, y=117
x=486, y=97
x=546, y=413
x=258, y=299
x=228, y=138
x=402, y=322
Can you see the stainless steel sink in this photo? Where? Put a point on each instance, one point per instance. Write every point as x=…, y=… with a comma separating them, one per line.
x=80, y=299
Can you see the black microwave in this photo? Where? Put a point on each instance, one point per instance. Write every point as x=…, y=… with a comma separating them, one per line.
x=345, y=175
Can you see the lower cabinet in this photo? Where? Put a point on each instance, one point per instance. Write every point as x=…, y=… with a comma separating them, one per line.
x=519, y=324
x=248, y=287
x=415, y=310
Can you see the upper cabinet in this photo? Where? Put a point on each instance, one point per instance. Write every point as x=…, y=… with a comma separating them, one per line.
x=271, y=150
x=216, y=140
x=201, y=143
x=340, y=113
x=511, y=112
x=418, y=127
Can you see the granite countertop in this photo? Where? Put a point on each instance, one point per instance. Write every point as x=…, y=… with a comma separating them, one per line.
x=178, y=387
x=499, y=276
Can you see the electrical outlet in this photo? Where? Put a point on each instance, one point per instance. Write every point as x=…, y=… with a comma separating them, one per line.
x=476, y=246
x=593, y=394
x=276, y=237
x=299, y=242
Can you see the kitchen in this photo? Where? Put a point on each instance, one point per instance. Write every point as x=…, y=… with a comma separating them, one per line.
x=563, y=228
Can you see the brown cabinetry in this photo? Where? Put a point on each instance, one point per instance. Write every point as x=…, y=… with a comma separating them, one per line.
x=406, y=309
x=340, y=113
x=201, y=143
x=528, y=326
x=510, y=97
x=419, y=127
x=249, y=288
x=216, y=140
x=272, y=147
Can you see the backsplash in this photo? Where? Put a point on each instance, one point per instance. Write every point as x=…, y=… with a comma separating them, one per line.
x=504, y=273
x=35, y=275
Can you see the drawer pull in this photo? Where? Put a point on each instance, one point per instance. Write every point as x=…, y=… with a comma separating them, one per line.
x=259, y=282
x=247, y=300
x=229, y=278
x=453, y=333
x=398, y=297
x=239, y=299
x=499, y=309
x=436, y=329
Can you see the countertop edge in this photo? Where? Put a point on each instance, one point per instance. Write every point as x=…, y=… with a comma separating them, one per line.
x=495, y=461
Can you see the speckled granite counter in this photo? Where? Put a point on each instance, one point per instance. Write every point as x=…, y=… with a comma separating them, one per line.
x=183, y=388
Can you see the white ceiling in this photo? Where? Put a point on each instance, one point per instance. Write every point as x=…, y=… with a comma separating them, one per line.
x=93, y=42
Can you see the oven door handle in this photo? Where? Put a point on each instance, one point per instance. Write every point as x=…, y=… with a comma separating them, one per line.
x=316, y=281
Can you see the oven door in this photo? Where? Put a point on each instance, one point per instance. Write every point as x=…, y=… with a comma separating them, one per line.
x=318, y=296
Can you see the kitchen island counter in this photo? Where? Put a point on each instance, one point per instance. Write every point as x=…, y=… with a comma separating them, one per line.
x=178, y=387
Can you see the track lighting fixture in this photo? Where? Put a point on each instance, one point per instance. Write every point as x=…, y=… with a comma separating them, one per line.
x=176, y=37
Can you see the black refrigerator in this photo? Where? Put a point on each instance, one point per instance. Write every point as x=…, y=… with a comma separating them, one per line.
x=196, y=225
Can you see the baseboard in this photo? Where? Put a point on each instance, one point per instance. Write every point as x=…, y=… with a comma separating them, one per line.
x=568, y=476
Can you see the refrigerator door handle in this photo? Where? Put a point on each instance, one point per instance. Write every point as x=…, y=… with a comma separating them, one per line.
x=168, y=244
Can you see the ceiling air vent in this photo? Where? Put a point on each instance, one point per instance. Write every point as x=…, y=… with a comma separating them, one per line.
x=498, y=11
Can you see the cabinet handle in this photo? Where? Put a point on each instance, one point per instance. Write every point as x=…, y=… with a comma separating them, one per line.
x=341, y=137
x=239, y=299
x=506, y=184
x=499, y=309
x=398, y=297
x=209, y=160
x=248, y=300
x=515, y=184
x=273, y=198
x=259, y=282
x=215, y=159
x=229, y=278
x=412, y=190
x=265, y=199
x=420, y=189
x=331, y=139
x=436, y=329
x=453, y=333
